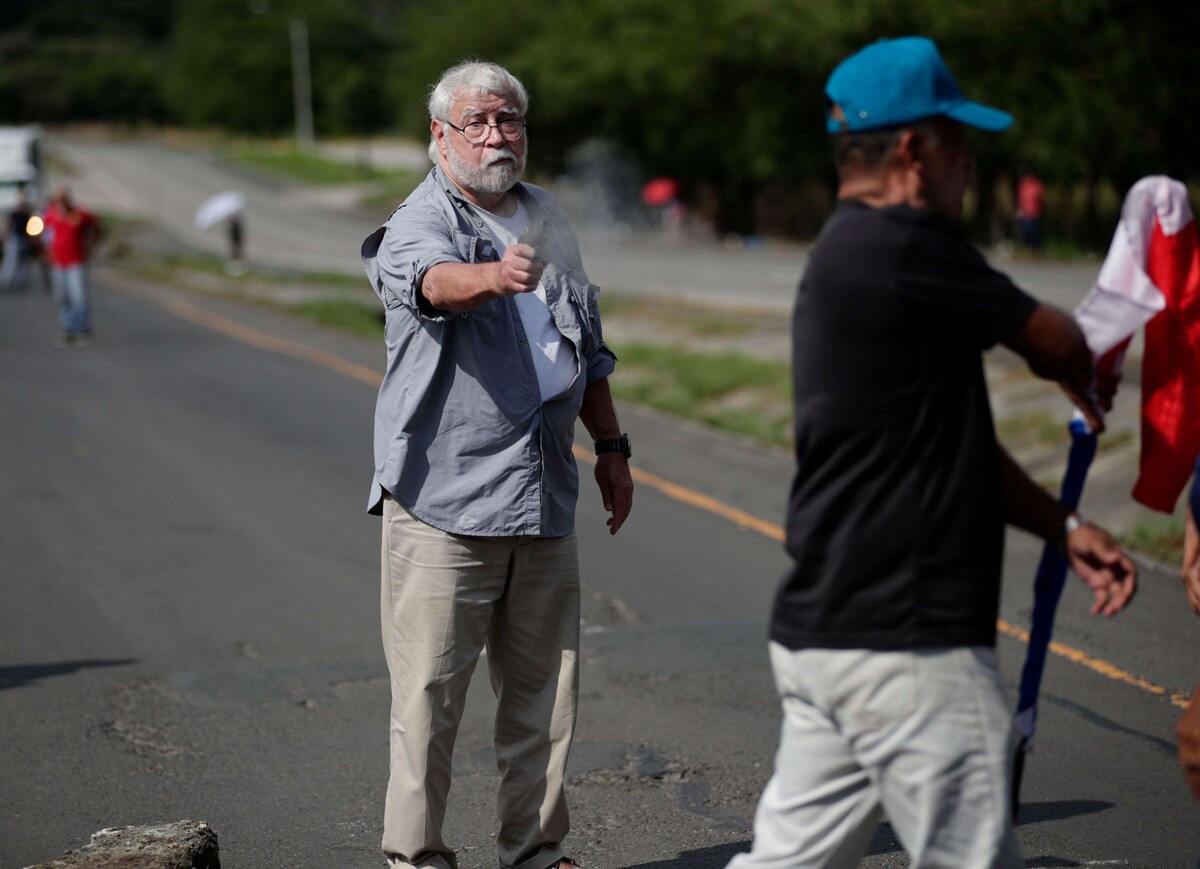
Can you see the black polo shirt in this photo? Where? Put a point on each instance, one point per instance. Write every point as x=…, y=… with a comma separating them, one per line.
x=895, y=519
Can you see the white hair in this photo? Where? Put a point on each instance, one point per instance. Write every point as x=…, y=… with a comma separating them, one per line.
x=471, y=78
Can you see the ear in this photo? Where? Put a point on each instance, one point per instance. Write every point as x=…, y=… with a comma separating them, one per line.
x=437, y=129
x=908, y=152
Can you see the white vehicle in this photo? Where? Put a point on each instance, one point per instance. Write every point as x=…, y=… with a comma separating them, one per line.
x=20, y=165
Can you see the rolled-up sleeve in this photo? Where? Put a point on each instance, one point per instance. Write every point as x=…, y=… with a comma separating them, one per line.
x=411, y=243
x=601, y=361
x=419, y=235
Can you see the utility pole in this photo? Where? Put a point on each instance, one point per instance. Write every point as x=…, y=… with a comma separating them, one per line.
x=306, y=139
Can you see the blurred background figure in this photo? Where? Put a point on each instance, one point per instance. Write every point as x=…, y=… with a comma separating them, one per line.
x=1031, y=195
x=237, y=258
x=19, y=246
x=227, y=206
x=71, y=232
x=662, y=195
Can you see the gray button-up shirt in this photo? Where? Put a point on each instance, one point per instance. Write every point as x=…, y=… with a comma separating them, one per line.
x=463, y=440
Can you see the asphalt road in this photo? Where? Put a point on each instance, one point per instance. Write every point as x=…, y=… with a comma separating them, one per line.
x=190, y=621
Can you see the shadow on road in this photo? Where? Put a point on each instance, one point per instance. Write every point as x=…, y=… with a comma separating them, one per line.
x=885, y=841
x=20, y=675
x=1165, y=746
x=1033, y=813
x=704, y=858
x=717, y=857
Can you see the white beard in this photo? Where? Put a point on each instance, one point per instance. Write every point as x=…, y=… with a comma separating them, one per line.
x=491, y=178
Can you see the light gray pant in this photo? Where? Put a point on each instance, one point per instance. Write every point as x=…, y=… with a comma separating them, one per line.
x=444, y=598
x=925, y=735
x=74, y=304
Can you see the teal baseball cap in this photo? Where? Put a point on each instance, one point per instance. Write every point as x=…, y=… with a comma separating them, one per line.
x=899, y=81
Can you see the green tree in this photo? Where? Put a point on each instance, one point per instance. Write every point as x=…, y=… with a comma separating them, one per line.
x=1096, y=87
x=722, y=94
x=65, y=61
x=231, y=66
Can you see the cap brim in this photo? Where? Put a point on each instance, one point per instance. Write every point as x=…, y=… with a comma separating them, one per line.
x=981, y=117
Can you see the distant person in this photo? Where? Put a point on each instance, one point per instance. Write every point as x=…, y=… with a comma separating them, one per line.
x=675, y=221
x=883, y=634
x=72, y=233
x=663, y=196
x=494, y=350
x=1031, y=202
x=19, y=246
x=237, y=255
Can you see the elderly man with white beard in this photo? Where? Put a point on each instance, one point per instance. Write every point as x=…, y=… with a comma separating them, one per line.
x=494, y=349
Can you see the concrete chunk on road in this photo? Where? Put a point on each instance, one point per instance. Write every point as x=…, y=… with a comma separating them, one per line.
x=178, y=845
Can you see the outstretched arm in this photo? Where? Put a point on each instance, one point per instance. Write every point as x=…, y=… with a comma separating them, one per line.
x=612, y=469
x=1053, y=345
x=458, y=287
x=1091, y=551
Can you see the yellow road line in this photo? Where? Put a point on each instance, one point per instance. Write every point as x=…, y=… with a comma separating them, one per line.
x=674, y=491
x=1097, y=665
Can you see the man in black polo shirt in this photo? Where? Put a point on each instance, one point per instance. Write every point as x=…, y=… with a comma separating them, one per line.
x=883, y=635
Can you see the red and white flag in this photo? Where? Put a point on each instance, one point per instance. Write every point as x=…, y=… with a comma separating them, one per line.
x=1151, y=277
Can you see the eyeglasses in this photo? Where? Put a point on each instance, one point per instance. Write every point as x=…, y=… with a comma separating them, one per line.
x=478, y=132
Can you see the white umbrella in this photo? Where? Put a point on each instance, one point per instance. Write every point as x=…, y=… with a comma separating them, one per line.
x=216, y=208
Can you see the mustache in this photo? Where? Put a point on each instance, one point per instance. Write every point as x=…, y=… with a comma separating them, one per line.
x=500, y=154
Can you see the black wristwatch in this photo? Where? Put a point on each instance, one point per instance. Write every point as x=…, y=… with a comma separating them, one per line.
x=616, y=445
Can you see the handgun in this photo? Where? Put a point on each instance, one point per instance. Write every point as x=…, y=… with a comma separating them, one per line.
x=536, y=235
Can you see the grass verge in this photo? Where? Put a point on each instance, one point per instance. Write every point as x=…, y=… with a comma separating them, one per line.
x=1038, y=428
x=1159, y=538
x=385, y=189
x=693, y=320
x=727, y=390
x=343, y=314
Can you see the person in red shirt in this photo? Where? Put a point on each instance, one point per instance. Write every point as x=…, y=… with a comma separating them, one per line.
x=1031, y=195
x=71, y=233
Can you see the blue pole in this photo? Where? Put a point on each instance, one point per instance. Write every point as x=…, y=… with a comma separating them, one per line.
x=1047, y=589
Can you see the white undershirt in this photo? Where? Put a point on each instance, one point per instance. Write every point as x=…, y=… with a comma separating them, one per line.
x=553, y=356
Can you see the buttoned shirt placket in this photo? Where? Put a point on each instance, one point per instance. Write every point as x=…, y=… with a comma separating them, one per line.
x=536, y=488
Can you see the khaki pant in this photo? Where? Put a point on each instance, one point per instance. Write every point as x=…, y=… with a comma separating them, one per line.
x=924, y=736
x=444, y=598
